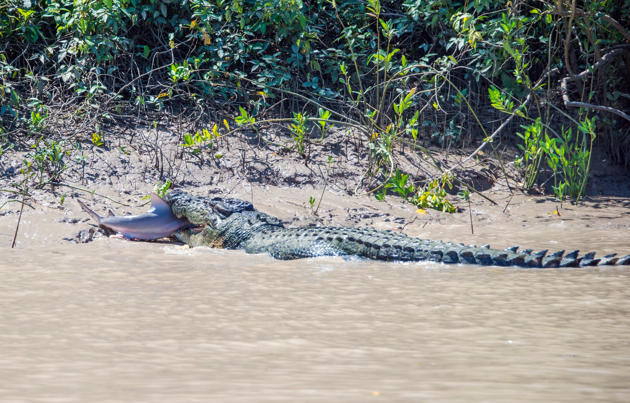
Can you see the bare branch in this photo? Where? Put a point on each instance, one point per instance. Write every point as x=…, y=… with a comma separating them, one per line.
x=560, y=11
x=606, y=59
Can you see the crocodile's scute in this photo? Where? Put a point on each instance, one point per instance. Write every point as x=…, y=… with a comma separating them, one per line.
x=236, y=224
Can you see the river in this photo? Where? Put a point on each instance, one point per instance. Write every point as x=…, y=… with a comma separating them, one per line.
x=115, y=321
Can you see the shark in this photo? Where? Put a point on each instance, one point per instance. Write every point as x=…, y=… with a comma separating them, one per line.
x=158, y=222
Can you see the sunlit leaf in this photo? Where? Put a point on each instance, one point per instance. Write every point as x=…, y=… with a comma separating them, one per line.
x=206, y=39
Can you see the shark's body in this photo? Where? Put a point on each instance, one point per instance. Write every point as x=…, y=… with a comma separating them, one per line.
x=158, y=222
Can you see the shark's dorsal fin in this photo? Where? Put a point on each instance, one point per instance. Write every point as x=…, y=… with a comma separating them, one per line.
x=159, y=206
x=110, y=213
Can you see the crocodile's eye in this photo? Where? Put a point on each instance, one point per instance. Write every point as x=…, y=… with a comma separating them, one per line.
x=223, y=210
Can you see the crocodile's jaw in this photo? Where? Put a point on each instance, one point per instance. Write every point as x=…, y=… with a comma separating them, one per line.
x=225, y=222
x=205, y=236
x=200, y=212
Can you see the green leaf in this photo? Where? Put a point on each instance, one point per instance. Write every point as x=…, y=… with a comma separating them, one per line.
x=384, y=24
x=206, y=134
x=188, y=140
x=97, y=140
x=161, y=189
x=25, y=13
x=391, y=54
x=406, y=102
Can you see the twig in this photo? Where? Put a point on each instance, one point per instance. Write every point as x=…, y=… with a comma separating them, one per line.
x=472, y=230
x=93, y=192
x=321, y=197
x=17, y=227
x=15, y=201
x=508, y=203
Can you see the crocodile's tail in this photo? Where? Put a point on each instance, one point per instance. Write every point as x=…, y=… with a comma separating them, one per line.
x=404, y=248
x=291, y=243
x=484, y=255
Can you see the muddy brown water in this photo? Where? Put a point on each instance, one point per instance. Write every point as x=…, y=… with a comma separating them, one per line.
x=118, y=321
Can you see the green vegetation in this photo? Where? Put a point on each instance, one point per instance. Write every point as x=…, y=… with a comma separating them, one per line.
x=201, y=139
x=161, y=188
x=432, y=196
x=398, y=74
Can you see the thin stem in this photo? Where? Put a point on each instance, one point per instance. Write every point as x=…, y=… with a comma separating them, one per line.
x=17, y=227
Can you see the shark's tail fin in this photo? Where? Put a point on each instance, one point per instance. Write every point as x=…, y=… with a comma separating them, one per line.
x=92, y=214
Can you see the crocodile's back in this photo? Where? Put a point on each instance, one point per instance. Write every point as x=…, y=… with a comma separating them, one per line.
x=294, y=243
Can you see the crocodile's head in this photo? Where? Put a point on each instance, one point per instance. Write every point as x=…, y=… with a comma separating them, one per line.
x=211, y=217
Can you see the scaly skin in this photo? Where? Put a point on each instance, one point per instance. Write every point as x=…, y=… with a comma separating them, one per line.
x=235, y=224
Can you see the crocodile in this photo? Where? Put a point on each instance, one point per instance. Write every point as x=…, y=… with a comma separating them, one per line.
x=235, y=224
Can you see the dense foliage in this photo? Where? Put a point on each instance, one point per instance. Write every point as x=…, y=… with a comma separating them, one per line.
x=411, y=71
